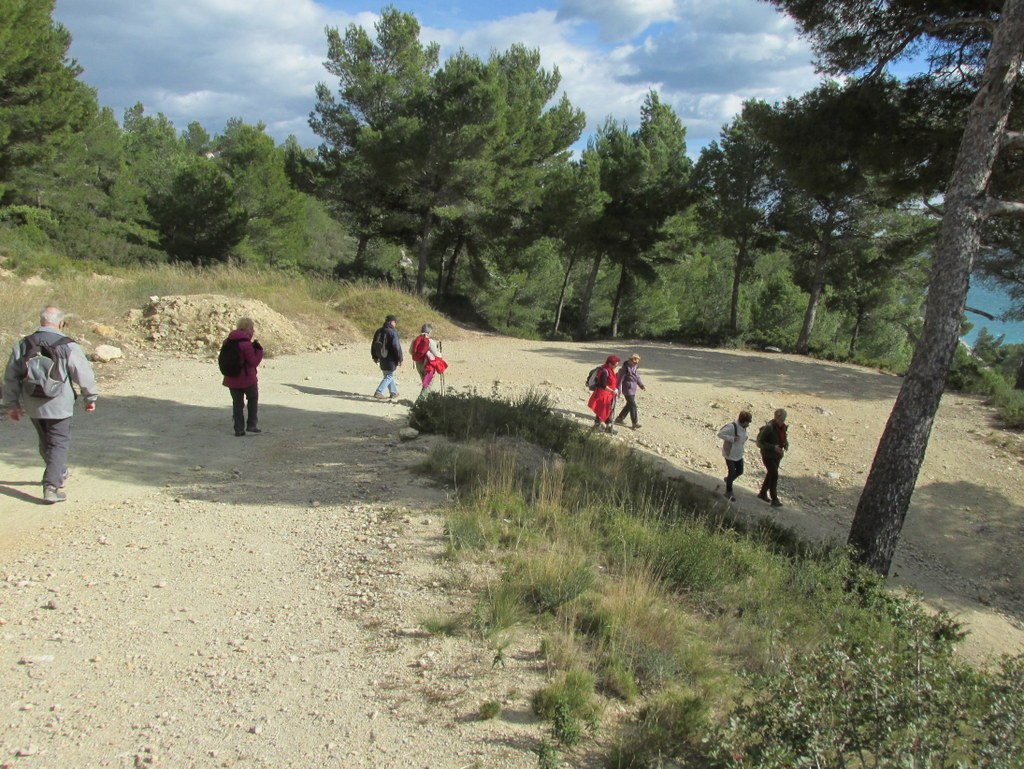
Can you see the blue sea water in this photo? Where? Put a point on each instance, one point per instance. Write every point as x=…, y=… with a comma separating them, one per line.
x=995, y=302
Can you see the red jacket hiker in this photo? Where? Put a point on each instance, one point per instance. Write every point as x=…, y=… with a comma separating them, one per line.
x=604, y=396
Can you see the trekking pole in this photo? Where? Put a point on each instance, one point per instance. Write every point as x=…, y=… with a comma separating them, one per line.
x=440, y=349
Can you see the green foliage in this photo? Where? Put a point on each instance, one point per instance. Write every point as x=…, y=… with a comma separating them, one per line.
x=777, y=310
x=570, y=704
x=42, y=104
x=199, y=218
x=971, y=375
x=548, y=580
x=868, y=702
x=463, y=416
x=671, y=726
x=446, y=626
x=547, y=756
x=489, y=710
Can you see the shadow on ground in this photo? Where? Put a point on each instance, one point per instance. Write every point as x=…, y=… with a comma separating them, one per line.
x=759, y=372
x=302, y=456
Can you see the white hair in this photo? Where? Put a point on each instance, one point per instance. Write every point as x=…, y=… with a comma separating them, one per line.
x=51, y=316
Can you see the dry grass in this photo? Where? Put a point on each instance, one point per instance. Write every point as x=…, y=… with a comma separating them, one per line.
x=342, y=311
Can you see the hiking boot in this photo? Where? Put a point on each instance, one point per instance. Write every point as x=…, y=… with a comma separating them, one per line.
x=729, y=496
x=763, y=496
x=636, y=426
x=620, y=420
x=380, y=396
x=240, y=435
x=52, y=495
x=393, y=397
x=776, y=503
x=253, y=430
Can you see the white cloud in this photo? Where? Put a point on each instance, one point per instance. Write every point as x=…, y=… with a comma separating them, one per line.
x=204, y=60
x=618, y=20
x=259, y=60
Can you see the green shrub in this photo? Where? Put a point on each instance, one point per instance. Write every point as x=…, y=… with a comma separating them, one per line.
x=550, y=579
x=615, y=679
x=575, y=690
x=671, y=726
x=902, y=702
x=499, y=608
x=490, y=709
x=570, y=705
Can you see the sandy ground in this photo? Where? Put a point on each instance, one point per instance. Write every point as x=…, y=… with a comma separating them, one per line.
x=209, y=601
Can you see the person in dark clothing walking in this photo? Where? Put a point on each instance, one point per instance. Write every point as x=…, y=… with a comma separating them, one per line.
x=244, y=387
x=629, y=381
x=390, y=361
x=773, y=443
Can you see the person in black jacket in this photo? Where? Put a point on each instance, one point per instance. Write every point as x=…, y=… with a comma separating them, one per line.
x=390, y=361
x=774, y=444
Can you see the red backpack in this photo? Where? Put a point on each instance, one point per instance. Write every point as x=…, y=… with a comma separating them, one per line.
x=420, y=345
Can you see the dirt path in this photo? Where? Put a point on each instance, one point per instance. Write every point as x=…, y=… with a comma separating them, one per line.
x=203, y=600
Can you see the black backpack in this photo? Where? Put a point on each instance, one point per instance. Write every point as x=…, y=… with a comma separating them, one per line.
x=379, y=345
x=40, y=369
x=229, y=359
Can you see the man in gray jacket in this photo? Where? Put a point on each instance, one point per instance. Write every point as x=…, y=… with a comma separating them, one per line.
x=51, y=416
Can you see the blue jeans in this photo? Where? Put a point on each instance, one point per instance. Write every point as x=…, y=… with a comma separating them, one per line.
x=388, y=383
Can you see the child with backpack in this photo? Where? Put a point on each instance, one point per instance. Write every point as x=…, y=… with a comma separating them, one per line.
x=239, y=356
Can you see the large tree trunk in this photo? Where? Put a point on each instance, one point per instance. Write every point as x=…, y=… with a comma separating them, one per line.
x=617, y=306
x=803, y=341
x=855, y=334
x=563, y=292
x=364, y=242
x=588, y=293
x=1020, y=376
x=883, y=504
x=424, y=253
x=453, y=267
x=734, y=300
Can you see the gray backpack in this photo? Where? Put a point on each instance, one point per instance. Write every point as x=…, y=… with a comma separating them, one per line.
x=41, y=366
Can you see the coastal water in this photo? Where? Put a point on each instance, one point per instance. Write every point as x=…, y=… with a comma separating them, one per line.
x=995, y=302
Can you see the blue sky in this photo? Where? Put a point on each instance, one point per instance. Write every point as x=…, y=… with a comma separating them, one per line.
x=259, y=60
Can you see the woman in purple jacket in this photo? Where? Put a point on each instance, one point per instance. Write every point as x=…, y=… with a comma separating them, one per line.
x=244, y=387
x=629, y=381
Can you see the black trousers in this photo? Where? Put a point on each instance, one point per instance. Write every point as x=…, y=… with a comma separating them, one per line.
x=629, y=409
x=54, y=442
x=735, y=471
x=239, y=397
x=771, y=478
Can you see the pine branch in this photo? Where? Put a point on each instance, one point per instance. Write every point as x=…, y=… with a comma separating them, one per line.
x=932, y=208
x=1013, y=140
x=1008, y=208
